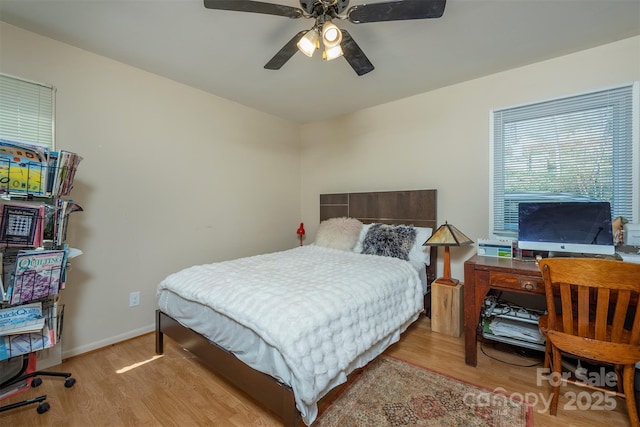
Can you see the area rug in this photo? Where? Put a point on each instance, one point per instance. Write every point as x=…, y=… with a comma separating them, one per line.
x=390, y=392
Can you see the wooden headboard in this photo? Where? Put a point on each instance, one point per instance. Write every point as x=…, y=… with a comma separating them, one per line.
x=412, y=207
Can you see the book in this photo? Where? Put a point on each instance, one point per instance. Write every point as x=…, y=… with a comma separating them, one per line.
x=21, y=225
x=37, y=275
x=21, y=319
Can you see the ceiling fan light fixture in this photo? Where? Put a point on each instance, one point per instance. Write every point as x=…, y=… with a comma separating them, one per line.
x=330, y=53
x=331, y=35
x=309, y=42
x=333, y=38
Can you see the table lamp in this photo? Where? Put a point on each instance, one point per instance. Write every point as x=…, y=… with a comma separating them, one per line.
x=447, y=235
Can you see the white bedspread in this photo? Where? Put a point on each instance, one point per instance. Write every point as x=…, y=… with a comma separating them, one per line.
x=321, y=308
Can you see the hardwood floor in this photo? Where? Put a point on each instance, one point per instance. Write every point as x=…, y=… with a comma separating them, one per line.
x=127, y=384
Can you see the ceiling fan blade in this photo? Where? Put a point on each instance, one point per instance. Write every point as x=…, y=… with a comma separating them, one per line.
x=285, y=54
x=255, y=7
x=354, y=55
x=397, y=10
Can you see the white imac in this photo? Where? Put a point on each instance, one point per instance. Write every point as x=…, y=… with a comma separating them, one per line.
x=568, y=227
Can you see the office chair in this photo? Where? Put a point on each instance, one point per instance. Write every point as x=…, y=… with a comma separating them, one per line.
x=19, y=373
x=597, y=320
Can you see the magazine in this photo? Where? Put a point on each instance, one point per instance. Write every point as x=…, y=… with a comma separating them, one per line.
x=21, y=224
x=66, y=165
x=8, y=267
x=65, y=207
x=37, y=275
x=23, y=167
x=32, y=169
x=15, y=345
x=19, y=175
x=21, y=319
x=28, y=151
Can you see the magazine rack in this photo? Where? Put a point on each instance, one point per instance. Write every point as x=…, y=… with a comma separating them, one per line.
x=33, y=226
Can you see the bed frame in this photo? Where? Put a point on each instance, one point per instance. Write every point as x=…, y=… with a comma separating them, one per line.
x=417, y=207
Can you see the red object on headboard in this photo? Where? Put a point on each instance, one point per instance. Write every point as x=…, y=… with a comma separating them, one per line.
x=300, y=232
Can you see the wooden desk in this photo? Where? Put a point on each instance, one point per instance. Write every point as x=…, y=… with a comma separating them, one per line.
x=484, y=273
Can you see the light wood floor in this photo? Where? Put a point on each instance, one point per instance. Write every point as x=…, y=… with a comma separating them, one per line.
x=127, y=384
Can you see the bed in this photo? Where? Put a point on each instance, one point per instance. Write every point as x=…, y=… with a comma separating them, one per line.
x=288, y=370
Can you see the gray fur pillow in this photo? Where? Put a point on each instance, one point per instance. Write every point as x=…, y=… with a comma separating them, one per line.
x=389, y=240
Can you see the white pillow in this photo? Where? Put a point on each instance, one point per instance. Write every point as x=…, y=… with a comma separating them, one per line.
x=363, y=232
x=420, y=256
x=338, y=233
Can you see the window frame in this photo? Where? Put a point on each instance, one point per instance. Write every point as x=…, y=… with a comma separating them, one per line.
x=635, y=157
x=31, y=92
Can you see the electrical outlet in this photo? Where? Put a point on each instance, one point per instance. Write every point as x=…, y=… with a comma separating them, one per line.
x=134, y=299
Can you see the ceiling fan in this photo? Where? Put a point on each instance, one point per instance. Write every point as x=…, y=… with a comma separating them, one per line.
x=336, y=42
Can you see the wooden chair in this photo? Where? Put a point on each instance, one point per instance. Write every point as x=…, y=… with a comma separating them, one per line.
x=598, y=320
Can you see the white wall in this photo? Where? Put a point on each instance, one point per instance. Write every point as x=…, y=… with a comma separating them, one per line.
x=171, y=177
x=440, y=139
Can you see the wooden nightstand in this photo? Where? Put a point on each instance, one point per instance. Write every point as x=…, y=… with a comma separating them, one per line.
x=446, y=308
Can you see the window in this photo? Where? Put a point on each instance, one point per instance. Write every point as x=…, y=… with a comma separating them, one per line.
x=576, y=148
x=26, y=111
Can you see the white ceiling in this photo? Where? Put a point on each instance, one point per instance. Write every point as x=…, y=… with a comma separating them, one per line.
x=223, y=52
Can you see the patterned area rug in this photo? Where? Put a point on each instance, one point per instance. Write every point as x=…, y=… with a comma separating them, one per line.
x=390, y=392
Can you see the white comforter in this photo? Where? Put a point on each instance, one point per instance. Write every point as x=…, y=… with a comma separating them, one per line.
x=322, y=308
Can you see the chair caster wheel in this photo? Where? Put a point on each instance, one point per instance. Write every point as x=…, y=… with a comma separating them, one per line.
x=69, y=382
x=43, y=407
x=35, y=382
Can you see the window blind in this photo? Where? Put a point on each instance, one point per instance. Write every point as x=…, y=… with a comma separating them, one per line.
x=577, y=148
x=26, y=111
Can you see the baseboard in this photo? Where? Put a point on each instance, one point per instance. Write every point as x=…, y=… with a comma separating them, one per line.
x=76, y=351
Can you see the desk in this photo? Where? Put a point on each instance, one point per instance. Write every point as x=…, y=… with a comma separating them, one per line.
x=483, y=273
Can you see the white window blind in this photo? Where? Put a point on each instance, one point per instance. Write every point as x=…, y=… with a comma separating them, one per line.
x=575, y=148
x=26, y=111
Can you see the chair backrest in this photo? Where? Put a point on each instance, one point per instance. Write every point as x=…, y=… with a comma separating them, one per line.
x=598, y=300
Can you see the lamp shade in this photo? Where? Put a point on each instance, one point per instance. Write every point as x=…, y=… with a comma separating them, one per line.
x=330, y=53
x=309, y=42
x=447, y=235
x=331, y=35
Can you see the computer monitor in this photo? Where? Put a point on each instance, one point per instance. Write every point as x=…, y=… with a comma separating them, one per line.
x=568, y=227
